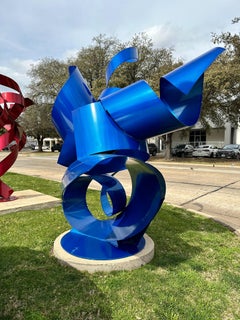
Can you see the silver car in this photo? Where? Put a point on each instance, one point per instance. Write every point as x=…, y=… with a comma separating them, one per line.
x=206, y=150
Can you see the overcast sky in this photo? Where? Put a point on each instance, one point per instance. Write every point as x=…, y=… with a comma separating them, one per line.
x=31, y=30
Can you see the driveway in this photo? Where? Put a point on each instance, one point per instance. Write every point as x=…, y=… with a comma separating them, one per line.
x=207, y=189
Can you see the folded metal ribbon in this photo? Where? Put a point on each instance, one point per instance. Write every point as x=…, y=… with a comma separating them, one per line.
x=136, y=109
x=14, y=138
x=108, y=135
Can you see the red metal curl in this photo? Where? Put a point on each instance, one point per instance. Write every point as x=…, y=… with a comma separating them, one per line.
x=12, y=104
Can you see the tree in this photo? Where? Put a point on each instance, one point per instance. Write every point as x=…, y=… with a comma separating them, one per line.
x=132, y=72
x=151, y=65
x=47, y=77
x=221, y=99
x=92, y=61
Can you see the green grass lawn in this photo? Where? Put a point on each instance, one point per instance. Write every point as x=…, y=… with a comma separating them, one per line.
x=195, y=273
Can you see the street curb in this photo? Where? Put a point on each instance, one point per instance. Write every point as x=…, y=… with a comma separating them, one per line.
x=206, y=215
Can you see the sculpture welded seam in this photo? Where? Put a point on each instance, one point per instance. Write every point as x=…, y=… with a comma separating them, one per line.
x=105, y=135
x=12, y=104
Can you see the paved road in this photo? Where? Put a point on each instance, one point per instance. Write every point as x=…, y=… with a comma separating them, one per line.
x=209, y=189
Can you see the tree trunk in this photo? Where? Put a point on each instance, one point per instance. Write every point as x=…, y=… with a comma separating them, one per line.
x=40, y=143
x=168, y=144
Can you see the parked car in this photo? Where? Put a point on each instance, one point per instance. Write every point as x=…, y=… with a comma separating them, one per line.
x=183, y=150
x=152, y=149
x=30, y=146
x=57, y=147
x=229, y=151
x=206, y=150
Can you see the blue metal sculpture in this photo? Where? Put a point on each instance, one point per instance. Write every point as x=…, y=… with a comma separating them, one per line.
x=107, y=135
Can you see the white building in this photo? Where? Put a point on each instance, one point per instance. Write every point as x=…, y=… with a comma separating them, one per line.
x=197, y=135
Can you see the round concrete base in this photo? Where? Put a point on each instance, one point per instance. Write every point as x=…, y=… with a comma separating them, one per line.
x=133, y=262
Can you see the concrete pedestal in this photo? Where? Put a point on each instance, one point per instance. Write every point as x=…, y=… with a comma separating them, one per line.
x=133, y=262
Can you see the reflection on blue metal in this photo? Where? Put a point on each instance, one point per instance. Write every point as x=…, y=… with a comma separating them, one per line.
x=106, y=135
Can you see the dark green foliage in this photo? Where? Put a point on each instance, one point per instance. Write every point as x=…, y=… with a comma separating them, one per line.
x=221, y=101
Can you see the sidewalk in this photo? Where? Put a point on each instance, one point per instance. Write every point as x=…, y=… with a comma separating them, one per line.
x=28, y=200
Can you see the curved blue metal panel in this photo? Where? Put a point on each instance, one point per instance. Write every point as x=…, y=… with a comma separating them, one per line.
x=126, y=55
x=108, y=135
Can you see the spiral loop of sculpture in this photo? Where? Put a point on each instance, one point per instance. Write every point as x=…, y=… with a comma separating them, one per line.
x=106, y=135
x=13, y=138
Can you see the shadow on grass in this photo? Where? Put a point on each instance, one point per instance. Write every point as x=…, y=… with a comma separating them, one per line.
x=35, y=286
x=177, y=235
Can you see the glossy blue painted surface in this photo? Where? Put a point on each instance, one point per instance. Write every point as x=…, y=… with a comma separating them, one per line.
x=79, y=245
x=143, y=202
x=126, y=55
x=107, y=135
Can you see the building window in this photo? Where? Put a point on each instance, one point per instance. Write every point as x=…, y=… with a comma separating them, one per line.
x=197, y=137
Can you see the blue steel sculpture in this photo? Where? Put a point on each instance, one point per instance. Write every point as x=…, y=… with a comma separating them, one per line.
x=104, y=136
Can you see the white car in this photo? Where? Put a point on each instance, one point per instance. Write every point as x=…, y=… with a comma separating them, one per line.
x=207, y=150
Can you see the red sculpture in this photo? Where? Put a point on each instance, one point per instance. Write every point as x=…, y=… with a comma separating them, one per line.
x=12, y=104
